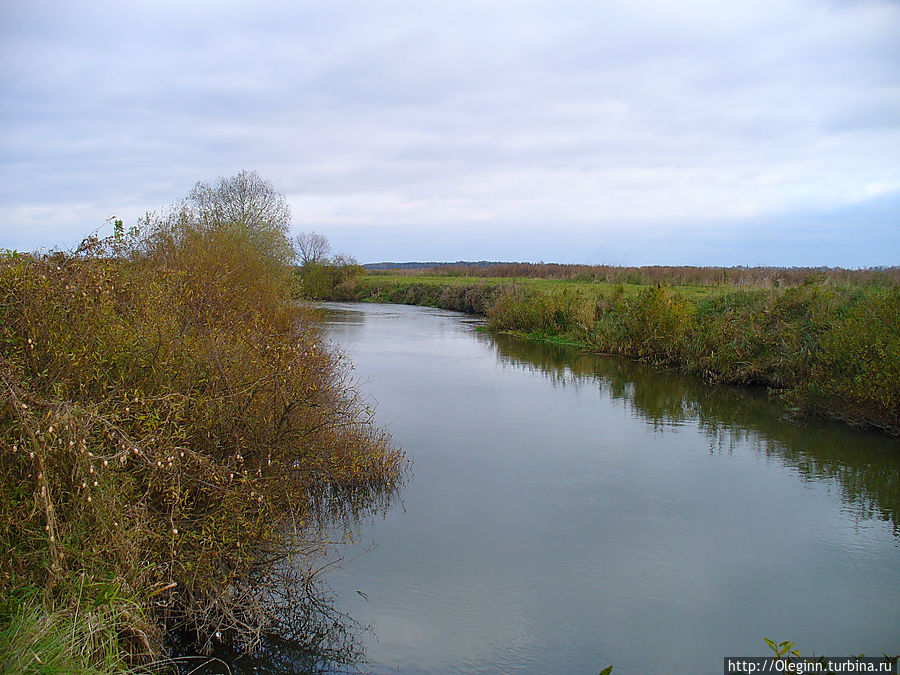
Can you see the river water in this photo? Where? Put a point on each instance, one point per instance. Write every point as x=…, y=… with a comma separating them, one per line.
x=569, y=511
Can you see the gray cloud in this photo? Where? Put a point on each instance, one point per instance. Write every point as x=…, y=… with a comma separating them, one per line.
x=495, y=121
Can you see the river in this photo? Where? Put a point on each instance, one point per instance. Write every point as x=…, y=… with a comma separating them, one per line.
x=569, y=511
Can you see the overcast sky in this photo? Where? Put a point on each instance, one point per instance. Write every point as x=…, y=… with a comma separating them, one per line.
x=718, y=133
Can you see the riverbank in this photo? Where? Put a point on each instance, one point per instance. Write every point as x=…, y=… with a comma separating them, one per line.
x=822, y=348
x=173, y=429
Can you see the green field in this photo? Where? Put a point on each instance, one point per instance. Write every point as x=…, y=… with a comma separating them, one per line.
x=578, y=286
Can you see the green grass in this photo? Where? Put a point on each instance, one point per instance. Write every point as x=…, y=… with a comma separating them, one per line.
x=579, y=287
x=35, y=640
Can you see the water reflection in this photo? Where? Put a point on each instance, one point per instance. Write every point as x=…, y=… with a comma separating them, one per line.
x=312, y=638
x=307, y=633
x=866, y=466
x=621, y=516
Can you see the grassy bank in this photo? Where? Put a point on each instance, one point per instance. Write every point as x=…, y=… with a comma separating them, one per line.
x=173, y=431
x=825, y=348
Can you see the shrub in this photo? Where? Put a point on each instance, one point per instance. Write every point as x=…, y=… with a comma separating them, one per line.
x=655, y=323
x=855, y=371
x=173, y=426
x=518, y=309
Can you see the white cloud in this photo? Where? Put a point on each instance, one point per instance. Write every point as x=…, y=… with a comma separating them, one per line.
x=506, y=115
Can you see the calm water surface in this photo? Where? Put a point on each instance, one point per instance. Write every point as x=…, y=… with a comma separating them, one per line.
x=568, y=512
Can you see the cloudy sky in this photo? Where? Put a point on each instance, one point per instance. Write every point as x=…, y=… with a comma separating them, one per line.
x=720, y=133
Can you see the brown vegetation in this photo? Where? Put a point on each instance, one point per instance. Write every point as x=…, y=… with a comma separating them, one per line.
x=173, y=431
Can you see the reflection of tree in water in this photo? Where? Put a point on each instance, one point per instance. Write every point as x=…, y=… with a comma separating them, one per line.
x=866, y=466
x=308, y=636
x=307, y=633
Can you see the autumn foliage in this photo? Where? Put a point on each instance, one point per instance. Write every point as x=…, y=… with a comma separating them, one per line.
x=173, y=431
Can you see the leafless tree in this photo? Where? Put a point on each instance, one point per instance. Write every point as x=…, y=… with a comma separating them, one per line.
x=314, y=248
